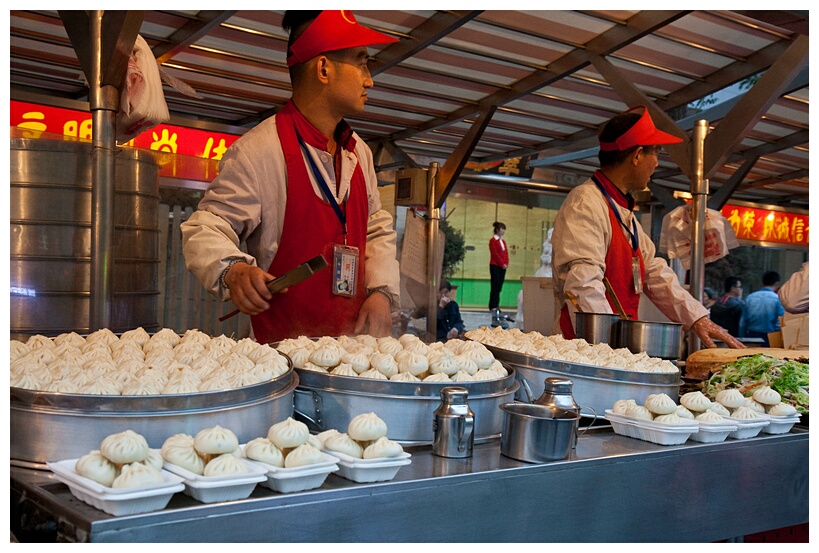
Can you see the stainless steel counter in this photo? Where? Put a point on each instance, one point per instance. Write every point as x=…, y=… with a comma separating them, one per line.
x=611, y=489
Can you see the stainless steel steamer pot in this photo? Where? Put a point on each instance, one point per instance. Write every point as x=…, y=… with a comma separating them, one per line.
x=596, y=387
x=664, y=340
x=50, y=426
x=325, y=401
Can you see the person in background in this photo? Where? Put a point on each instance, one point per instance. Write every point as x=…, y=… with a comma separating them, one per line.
x=597, y=236
x=709, y=296
x=727, y=310
x=300, y=184
x=498, y=263
x=762, y=310
x=794, y=293
x=450, y=324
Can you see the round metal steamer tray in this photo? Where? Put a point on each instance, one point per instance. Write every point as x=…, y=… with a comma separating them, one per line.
x=327, y=401
x=595, y=387
x=51, y=426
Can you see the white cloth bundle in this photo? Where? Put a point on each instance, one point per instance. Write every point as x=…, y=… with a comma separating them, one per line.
x=675, y=236
x=142, y=102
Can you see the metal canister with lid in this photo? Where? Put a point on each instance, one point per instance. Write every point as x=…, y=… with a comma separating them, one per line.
x=453, y=424
x=557, y=392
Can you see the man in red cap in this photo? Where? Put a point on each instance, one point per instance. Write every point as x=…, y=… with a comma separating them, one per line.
x=302, y=184
x=596, y=235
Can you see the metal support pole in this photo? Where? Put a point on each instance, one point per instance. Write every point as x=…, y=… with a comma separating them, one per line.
x=699, y=193
x=104, y=103
x=433, y=216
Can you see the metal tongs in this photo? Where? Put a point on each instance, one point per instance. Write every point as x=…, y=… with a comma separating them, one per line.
x=573, y=299
x=615, y=300
x=291, y=277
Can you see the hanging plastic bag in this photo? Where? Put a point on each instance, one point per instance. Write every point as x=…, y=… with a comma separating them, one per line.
x=142, y=102
x=675, y=236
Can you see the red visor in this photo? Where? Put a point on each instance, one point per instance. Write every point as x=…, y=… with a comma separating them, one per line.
x=643, y=133
x=333, y=30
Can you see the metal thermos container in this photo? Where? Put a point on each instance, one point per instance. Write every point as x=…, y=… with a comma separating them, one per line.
x=557, y=392
x=453, y=425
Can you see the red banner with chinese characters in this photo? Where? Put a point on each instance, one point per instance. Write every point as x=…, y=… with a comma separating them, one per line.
x=766, y=225
x=162, y=138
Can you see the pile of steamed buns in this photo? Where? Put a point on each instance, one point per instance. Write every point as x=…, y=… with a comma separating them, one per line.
x=139, y=364
x=403, y=359
x=576, y=350
x=697, y=406
x=123, y=460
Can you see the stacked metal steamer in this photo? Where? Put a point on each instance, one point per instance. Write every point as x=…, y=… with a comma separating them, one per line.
x=51, y=222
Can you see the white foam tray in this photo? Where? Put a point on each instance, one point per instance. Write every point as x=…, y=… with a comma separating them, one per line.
x=117, y=501
x=380, y=469
x=215, y=489
x=298, y=479
x=711, y=432
x=780, y=425
x=748, y=428
x=651, y=431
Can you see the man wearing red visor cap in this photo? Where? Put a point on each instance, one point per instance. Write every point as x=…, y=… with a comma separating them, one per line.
x=596, y=235
x=298, y=185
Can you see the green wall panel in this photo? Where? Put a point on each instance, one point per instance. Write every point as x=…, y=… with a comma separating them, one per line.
x=474, y=294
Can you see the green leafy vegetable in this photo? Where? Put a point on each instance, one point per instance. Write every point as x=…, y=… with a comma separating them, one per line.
x=788, y=377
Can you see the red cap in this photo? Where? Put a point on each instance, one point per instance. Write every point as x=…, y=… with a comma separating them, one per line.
x=642, y=133
x=333, y=30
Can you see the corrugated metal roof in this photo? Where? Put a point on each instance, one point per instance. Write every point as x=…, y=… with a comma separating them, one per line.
x=544, y=70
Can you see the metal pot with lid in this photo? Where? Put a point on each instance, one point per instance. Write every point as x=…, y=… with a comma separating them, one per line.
x=557, y=393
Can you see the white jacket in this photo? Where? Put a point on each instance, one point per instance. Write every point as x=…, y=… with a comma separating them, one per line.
x=582, y=234
x=247, y=202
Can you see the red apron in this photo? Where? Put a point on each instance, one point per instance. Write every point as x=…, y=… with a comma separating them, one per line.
x=618, y=271
x=311, y=227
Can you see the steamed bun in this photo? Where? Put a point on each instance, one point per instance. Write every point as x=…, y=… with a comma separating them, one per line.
x=137, y=474
x=124, y=447
x=767, y=395
x=215, y=441
x=731, y=398
x=97, y=468
x=185, y=457
x=224, y=464
x=263, y=450
x=383, y=447
x=695, y=401
x=660, y=404
x=367, y=427
x=343, y=443
x=288, y=433
x=782, y=410
x=303, y=455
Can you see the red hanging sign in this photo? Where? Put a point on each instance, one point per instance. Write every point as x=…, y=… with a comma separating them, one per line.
x=766, y=225
x=174, y=139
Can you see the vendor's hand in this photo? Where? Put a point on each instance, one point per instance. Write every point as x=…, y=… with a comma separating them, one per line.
x=453, y=333
x=248, y=288
x=375, y=316
x=707, y=329
x=444, y=300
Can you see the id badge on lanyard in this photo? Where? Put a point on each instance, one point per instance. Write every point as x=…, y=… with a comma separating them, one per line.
x=637, y=275
x=345, y=267
x=345, y=258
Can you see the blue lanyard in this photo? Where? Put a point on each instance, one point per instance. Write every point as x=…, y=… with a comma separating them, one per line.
x=324, y=188
x=635, y=240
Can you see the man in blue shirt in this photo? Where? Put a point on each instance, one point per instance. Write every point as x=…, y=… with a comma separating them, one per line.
x=762, y=310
